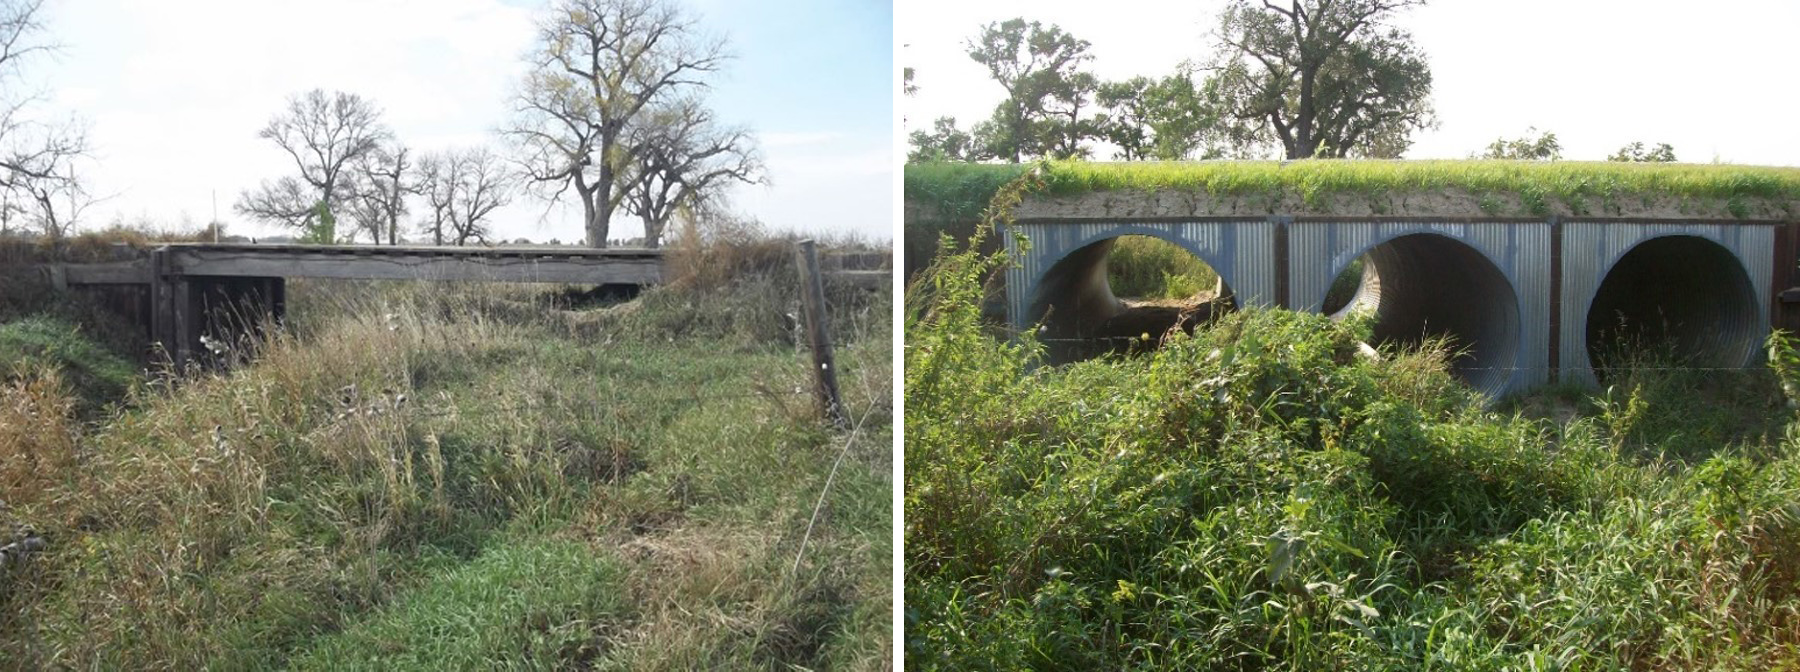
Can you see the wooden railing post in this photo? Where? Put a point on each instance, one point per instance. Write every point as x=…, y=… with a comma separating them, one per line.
x=812, y=303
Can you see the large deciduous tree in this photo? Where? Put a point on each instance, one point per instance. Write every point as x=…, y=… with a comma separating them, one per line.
x=686, y=161
x=325, y=135
x=1320, y=78
x=461, y=188
x=945, y=142
x=381, y=181
x=1046, y=92
x=1543, y=147
x=601, y=67
x=38, y=182
x=1636, y=152
x=1163, y=119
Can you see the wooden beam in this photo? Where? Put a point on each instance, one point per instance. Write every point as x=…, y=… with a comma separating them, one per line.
x=596, y=269
x=112, y=273
x=862, y=279
x=162, y=305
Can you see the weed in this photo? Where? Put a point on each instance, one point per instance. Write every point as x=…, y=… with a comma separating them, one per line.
x=443, y=475
x=1260, y=495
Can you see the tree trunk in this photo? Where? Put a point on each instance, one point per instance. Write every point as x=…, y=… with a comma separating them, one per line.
x=597, y=225
x=653, y=233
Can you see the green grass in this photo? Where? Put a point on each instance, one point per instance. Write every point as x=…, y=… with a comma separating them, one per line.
x=1152, y=268
x=529, y=604
x=429, y=476
x=1259, y=496
x=1539, y=188
x=98, y=376
x=957, y=191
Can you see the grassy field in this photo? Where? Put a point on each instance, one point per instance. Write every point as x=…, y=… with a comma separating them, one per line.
x=462, y=477
x=1261, y=496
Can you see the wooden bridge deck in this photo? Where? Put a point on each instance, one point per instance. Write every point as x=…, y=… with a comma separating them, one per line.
x=634, y=266
x=187, y=290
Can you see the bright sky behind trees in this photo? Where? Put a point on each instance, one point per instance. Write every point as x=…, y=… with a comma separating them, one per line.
x=174, y=93
x=1707, y=78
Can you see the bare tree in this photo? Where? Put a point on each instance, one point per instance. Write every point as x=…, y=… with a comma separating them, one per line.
x=685, y=160
x=56, y=201
x=600, y=65
x=461, y=188
x=37, y=173
x=382, y=179
x=324, y=135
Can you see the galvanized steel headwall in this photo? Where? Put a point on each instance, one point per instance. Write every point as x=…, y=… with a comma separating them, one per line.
x=1532, y=301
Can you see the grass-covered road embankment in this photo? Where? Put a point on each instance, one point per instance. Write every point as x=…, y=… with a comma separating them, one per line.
x=432, y=477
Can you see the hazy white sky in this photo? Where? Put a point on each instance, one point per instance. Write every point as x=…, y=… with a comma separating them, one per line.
x=1710, y=78
x=175, y=92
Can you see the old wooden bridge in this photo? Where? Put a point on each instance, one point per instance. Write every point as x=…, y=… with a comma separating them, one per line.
x=184, y=291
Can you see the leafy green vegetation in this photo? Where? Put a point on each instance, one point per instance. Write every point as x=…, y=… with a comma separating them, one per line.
x=1261, y=495
x=1580, y=187
x=430, y=476
x=953, y=196
x=517, y=605
x=1152, y=268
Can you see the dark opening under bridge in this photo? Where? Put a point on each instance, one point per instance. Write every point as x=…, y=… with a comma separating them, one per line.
x=182, y=292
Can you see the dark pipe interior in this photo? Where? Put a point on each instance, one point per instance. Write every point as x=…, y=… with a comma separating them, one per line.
x=1680, y=292
x=1424, y=285
x=1074, y=300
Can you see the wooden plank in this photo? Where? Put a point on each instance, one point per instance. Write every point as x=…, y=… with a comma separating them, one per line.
x=162, y=308
x=426, y=250
x=297, y=264
x=186, y=318
x=114, y=273
x=863, y=279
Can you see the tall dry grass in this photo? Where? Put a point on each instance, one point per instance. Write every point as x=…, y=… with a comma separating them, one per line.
x=355, y=476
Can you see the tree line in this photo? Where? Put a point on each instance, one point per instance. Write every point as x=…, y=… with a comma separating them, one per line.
x=1296, y=79
x=611, y=114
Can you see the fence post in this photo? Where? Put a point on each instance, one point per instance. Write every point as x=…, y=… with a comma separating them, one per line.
x=812, y=304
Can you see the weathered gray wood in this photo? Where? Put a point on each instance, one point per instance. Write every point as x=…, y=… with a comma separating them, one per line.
x=510, y=264
x=111, y=273
x=185, y=318
x=597, y=270
x=863, y=279
x=812, y=303
x=162, y=307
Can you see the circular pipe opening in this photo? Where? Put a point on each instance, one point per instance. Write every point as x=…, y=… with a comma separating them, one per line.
x=1684, y=296
x=1160, y=286
x=1425, y=285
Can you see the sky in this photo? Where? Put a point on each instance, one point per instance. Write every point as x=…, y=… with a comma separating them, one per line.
x=173, y=94
x=1707, y=78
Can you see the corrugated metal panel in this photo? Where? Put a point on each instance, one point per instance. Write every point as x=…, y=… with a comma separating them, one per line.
x=1520, y=251
x=1241, y=251
x=1591, y=249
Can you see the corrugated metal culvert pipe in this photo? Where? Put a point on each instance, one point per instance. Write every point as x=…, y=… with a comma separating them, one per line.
x=1427, y=285
x=1082, y=317
x=1074, y=296
x=1686, y=293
